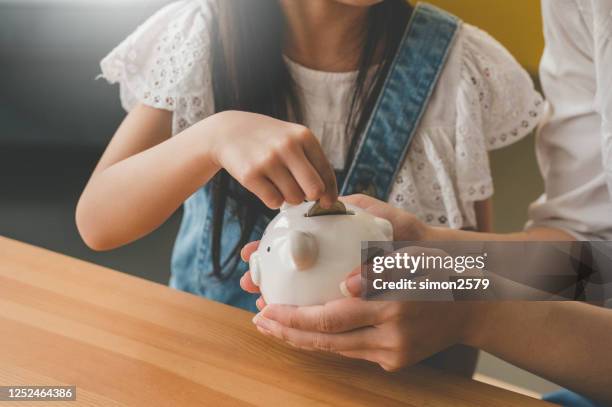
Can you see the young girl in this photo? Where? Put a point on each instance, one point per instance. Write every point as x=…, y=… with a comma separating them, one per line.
x=236, y=106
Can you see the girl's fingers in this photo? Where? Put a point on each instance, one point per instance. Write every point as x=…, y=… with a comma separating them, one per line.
x=365, y=338
x=305, y=174
x=249, y=249
x=266, y=191
x=317, y=157
x=247, y=284
x=286, y=184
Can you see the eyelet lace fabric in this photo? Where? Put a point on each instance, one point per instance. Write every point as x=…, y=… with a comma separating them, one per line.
x=165, y=63
x=484, y=100
x=447, y=167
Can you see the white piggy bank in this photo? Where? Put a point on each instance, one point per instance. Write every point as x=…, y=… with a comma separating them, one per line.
x=302, y=260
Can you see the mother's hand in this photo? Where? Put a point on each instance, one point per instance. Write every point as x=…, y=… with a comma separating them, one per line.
x=406, y=226
x=392, y=334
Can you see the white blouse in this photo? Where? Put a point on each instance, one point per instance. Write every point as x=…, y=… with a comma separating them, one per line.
x=575, y=146
x=483, y=100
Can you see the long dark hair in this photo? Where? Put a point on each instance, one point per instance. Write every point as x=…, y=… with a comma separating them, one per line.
x=250, y=74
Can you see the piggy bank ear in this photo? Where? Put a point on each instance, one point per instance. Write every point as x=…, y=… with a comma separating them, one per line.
x=386, y=227
x=303, y=249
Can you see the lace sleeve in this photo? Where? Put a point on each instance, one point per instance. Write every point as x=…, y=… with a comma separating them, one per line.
x=165, y=63
x=496, y=93
x=497, y=105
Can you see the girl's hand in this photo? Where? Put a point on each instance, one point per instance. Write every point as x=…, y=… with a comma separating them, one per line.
x=276, y=160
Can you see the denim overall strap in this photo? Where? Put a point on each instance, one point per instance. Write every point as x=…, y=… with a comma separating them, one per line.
x=412, y=77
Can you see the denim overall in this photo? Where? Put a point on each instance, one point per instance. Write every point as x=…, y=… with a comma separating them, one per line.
x=378, y=156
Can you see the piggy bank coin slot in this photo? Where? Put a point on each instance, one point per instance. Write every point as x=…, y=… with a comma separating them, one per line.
x=337, y=208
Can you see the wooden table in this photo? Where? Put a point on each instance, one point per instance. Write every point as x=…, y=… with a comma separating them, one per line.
x=124, y=341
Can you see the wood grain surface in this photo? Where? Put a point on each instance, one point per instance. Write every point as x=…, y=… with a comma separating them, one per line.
x=124, y=341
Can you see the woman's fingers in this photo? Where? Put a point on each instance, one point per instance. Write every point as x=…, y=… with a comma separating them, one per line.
x=260, y=303
x=248, y=250
x=351, y=286
x=360, y=200
x=335, y=316
x=286, y=184
x=247, y=284
x=384, y=359
x=364, y=338
x=371, y=355
x=315, y=154
x=373, y=206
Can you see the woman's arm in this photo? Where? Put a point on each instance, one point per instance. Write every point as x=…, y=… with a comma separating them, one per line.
x=145, y=175
x=566, y=342
x=569, y=343
x=430, y=233
x=407, y=227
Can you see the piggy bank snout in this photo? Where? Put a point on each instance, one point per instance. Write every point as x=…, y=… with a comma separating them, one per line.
x=302, y=249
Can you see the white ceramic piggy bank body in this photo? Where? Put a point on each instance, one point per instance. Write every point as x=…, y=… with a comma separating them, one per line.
x=302, y=260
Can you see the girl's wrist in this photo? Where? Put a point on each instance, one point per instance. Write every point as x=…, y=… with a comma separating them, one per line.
x=208, y=133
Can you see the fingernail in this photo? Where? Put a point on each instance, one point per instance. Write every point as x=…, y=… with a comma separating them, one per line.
x=262, y=322
x=353, y=285
x=344, y=290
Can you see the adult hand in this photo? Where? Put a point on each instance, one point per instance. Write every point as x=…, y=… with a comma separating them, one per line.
x=406, y=226
x=391, y=334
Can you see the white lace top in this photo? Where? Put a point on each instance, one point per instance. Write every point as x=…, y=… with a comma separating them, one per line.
x=483, y=100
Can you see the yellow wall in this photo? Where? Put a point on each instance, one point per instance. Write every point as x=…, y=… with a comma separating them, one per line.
x=516, y=23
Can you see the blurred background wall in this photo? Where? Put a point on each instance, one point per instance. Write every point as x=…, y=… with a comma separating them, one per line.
x=56, y=119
